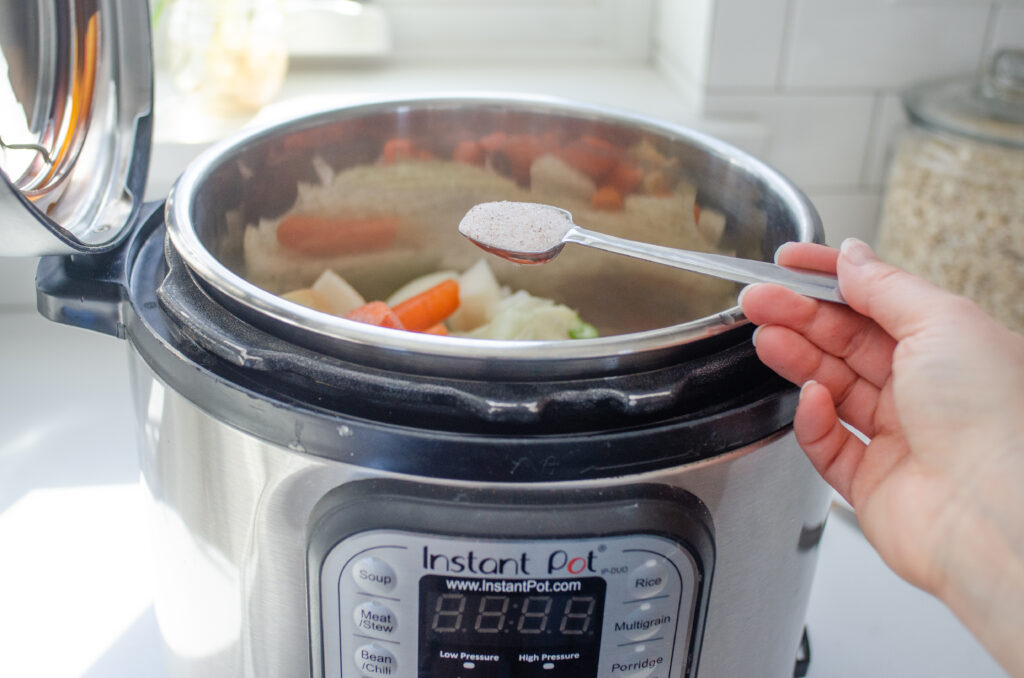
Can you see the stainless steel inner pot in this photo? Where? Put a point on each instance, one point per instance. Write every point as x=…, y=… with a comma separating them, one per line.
x=645, y=312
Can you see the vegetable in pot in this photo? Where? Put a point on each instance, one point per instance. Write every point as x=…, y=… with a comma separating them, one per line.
x=472, y=304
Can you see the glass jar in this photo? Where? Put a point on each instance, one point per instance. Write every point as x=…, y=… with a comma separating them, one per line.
x=230, y=55
x=954, y=205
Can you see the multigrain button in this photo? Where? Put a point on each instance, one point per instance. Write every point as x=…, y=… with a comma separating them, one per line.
x=373, y=660
x=375, y=619
x=648, y=579
x=646, y=621
x=374, y=575
x=640, y=661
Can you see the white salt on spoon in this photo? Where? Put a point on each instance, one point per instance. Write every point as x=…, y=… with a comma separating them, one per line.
x=532, y=233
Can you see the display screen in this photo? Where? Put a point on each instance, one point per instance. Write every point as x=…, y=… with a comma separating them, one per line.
x=510, y=628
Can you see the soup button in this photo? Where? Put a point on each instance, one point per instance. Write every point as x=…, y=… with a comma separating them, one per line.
x=374, y=575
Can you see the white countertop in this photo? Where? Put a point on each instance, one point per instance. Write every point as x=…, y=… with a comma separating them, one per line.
x=75, y=593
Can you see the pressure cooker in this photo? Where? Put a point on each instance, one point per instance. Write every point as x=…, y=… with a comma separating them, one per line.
x=332, y=498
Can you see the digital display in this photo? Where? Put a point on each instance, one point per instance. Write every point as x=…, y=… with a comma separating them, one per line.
x=510, y=628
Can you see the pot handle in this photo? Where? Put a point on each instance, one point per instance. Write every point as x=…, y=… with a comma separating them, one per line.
x=90, y=290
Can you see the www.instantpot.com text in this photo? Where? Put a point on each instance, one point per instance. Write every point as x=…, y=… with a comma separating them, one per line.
x=513, y=586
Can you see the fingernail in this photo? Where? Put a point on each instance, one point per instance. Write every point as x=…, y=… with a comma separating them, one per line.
x=753, y=337
x=803, y=389
x=739, y=297
x=779, y=251
x=857, y=252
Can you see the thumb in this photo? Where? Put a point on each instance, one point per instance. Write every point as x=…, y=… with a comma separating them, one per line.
x=898, y=301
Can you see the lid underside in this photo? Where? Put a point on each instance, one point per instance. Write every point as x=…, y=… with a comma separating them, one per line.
x=75, y=123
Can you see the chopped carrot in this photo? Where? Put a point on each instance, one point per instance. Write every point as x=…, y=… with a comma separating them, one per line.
x=439, y=329
x=550, y=140
x=593, y=157
x=494, y=141
x=397, y=149
x=302, y=140
x=598, y=142
x=625, y=177
x=376, y=313
x=428, y=308
x=607, y=198
x=469, y=152
x=330, y=236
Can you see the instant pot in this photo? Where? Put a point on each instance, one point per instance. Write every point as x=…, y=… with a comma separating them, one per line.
x=336, y=499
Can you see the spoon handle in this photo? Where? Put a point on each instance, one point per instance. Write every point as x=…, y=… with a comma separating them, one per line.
x=809, y=283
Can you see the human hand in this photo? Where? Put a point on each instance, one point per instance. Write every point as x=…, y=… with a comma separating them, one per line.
x=938, y=388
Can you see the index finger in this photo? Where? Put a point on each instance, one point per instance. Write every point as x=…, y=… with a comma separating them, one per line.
x=837, y=330
x=807, y=255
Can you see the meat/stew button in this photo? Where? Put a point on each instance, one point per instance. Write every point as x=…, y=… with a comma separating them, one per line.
x=375, y=619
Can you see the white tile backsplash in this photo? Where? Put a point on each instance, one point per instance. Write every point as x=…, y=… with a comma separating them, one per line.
x=746, y=43
x=844, y=215
x=879, y=44
x=824, y=78
x=815, y=140
x=683, y=36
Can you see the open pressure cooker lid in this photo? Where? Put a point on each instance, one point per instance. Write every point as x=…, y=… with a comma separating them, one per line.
x=75, y=123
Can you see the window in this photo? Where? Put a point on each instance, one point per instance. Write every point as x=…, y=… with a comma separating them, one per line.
x=521, y=31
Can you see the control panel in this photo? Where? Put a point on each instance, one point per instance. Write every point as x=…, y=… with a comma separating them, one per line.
x=403, y=604
x=419, y=586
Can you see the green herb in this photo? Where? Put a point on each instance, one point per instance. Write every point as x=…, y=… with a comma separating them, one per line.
x=583, y=331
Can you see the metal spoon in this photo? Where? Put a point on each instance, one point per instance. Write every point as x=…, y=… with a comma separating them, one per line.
x=531, y=233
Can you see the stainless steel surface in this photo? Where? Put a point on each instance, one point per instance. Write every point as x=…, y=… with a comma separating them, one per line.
x=211, y=198
x=75, y=141
x=43, y=151
x=77, y=476
x=231, y=517
x=816, y=285
x=234, y=510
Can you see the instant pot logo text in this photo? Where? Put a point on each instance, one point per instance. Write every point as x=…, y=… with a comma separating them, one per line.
x=558, y=561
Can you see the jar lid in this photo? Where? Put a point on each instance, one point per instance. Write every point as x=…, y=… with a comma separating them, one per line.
x=76, y=84
x=989, y=107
